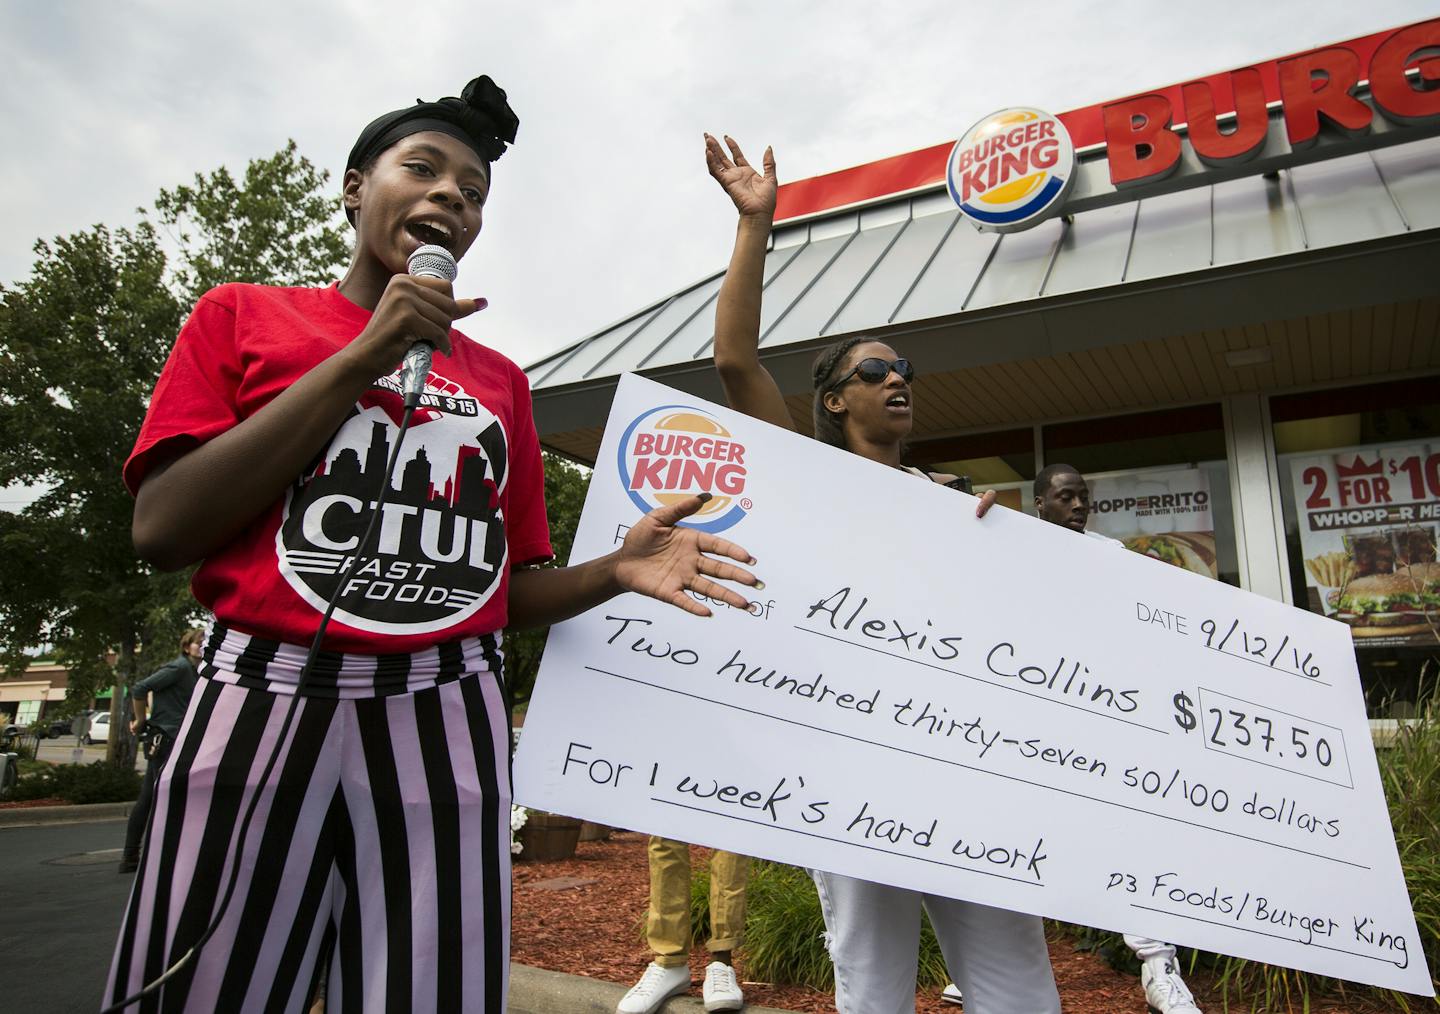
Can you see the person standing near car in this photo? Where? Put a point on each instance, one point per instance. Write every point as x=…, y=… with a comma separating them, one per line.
x=171, y=686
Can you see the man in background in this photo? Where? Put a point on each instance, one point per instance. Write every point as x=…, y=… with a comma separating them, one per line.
x=170, y=686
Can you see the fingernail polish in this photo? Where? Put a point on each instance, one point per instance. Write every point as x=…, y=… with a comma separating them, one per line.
x=705, y=497
x=481, y=303
x=759, y=585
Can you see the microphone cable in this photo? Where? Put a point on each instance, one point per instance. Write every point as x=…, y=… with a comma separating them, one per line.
x=412, y=399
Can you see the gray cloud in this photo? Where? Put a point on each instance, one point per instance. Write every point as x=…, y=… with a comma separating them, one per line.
x=604, y=204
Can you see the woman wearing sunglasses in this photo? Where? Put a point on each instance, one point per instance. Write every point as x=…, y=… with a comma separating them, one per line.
x=863, y=402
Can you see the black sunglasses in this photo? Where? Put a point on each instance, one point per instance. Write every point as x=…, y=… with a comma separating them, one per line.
x=874, y=370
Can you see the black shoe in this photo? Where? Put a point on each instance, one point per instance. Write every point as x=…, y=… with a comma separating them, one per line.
x=128, y=864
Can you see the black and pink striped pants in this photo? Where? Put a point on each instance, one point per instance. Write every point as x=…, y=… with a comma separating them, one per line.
x=380, y=846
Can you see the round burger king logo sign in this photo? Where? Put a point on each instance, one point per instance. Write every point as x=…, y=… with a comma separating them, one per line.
x=1011, y=170
x=673, y=452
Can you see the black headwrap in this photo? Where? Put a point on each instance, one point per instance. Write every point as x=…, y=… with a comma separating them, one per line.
x=480, y=117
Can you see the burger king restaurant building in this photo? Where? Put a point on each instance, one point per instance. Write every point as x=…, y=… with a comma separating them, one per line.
x=1219, y=300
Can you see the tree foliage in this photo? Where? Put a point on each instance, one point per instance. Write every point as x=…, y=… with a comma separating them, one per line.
x=565, y=488
x=82, y=341
x=80, y=345
x=276, y=227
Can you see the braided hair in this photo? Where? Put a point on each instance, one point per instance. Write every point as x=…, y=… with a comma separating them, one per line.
x=828, y=428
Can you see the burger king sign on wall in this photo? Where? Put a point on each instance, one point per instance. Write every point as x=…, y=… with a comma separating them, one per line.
x=673, y=452
x=1012, y=170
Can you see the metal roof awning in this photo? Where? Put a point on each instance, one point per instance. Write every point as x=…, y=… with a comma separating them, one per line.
x=1360, y=230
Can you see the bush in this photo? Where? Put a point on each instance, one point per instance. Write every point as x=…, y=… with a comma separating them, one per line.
x=785, y=930
x=1410, y=772
x=80, y=783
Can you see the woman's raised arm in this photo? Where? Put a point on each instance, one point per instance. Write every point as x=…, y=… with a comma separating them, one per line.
x=748, y=385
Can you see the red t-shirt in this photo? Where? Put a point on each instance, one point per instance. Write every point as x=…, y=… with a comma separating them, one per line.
x=466, y=500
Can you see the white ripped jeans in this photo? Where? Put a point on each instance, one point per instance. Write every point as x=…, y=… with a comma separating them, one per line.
x=1146, y=948
x=998, y=958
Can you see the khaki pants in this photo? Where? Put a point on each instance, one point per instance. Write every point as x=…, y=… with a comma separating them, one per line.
x=667, y=925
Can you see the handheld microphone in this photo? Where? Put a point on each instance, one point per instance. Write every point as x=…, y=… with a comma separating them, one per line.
x=428, y=261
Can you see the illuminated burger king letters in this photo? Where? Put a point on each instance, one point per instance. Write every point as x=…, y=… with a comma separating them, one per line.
x=1314, y=89
x=1011, y=170
x=673, y=452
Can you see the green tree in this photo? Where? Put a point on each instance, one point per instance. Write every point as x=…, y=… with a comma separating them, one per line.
x=82, y=341
x=277, y=227
x=565, y=487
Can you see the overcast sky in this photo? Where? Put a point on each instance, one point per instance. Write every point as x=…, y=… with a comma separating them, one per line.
x=603, y=205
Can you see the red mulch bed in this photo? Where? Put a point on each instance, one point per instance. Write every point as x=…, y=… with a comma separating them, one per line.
x=21, y=804
x=595, y=930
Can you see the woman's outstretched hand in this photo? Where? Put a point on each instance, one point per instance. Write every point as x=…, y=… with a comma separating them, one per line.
x=752, y=192
x=665, y=562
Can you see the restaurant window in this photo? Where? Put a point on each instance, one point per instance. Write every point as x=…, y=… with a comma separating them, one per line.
x=1360, y=492
x=1159, y=482
x=1003, y=461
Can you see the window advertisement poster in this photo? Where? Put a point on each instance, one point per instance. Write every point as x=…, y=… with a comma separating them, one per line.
x=1161, y=513
x=1368, y=517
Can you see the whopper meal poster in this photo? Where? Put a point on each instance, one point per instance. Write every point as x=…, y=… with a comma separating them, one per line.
x=1368, y=519
x=1164, y=514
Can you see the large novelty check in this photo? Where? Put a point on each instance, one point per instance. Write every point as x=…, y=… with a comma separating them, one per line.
x=998, y=710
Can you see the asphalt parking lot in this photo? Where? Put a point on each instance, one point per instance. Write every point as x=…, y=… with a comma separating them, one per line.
x=61, y=904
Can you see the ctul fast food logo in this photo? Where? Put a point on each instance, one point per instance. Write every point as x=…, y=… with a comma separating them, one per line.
x=1011, y=170
x=673, y=452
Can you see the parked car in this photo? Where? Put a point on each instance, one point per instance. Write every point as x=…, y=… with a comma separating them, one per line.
x=99, y=728
x=54, y=728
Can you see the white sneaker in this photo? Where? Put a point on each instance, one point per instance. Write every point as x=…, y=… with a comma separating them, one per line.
x=1165, y=991
x=655, y=987
x=722, y=991
x=951, y=994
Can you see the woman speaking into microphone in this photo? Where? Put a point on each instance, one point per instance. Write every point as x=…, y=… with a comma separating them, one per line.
x=339, y=791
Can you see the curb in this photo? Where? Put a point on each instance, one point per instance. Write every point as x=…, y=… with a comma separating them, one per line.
x=38, y=816
x=539, y=991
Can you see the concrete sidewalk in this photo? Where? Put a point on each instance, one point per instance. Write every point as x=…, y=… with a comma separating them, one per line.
x=537, y=991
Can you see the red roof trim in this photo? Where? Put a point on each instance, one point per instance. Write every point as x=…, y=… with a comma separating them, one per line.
x=926, y=167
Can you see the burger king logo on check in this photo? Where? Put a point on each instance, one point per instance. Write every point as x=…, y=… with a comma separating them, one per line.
x=673, y=452
x=1011, y=170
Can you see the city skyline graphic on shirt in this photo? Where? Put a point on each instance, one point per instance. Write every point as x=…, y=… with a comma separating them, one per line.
x=468, y=486
x=440, y=545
